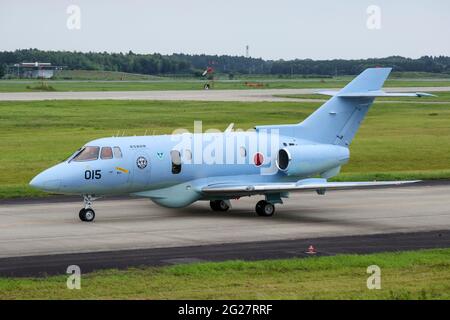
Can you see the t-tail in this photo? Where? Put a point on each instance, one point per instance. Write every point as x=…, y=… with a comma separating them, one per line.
x=338, y=120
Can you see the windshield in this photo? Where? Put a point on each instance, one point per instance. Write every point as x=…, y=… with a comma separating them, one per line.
x=87, y=154
x=73, y=155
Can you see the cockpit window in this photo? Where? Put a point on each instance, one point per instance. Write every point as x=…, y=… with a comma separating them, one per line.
x=87, y=154
x=117, y=153
x=106, y=153
x=73, y=155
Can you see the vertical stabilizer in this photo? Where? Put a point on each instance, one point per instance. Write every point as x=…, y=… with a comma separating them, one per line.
x=338, y=120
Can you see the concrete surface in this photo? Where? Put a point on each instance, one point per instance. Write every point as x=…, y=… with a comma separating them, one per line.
x=192, y=95
x=50, y=227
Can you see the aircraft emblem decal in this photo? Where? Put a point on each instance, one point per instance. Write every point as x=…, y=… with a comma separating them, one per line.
x=141, y=162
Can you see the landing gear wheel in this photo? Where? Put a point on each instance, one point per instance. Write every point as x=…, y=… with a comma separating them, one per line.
x=81, y=214
x=87, y=215
x=265, y=209
x=219, y=205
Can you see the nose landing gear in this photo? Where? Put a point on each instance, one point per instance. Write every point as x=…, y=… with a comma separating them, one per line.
x=87, y=214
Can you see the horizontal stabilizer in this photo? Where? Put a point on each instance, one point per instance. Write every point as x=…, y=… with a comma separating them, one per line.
x=374, y=94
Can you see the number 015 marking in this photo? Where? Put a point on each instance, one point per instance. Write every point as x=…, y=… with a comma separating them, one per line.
x=93, y=174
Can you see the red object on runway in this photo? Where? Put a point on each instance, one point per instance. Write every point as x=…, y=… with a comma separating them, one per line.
x=311, y=250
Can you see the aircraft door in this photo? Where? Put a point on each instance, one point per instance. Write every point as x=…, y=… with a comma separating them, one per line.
x=140, y=169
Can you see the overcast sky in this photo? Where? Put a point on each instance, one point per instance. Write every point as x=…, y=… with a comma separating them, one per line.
x=276, y=29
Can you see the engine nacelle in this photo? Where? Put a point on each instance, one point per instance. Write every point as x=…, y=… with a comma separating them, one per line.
x=306, y=160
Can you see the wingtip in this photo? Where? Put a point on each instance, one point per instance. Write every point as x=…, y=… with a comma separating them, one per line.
x=410, y=181
x=424, y=94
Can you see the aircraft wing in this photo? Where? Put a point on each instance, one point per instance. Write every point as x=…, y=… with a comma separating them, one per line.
x=302, y=185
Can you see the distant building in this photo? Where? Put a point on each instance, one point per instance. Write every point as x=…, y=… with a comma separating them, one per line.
x=42, y=70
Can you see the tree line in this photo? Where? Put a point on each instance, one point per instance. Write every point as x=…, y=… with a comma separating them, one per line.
x=158, y=64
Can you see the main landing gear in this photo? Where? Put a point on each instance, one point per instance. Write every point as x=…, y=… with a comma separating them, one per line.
x=263, y=208
x=87, y=214
x=220, y=205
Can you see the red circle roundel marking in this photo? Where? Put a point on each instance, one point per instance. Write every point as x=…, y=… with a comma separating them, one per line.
x=258, y=159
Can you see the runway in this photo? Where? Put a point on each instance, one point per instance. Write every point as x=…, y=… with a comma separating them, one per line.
x=250, y=95
x=37, y=266
x=44, y=227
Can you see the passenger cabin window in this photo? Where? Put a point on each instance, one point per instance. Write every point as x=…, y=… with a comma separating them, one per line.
x=106, y=153
x=117, y=153
x=176, y=161
x=187, y=155
x=87, y=154
x=243, y=152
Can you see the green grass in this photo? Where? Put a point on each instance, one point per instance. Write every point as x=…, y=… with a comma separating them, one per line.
x=101, y=75
x=43, y=86
x=419, y=75
x=170, y=84
x=404, y=275
x=396, y=141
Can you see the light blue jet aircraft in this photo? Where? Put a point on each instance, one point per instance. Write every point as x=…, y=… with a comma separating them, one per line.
x=172, y=174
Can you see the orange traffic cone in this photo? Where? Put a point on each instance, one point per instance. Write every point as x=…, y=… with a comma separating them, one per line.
x=311, y=250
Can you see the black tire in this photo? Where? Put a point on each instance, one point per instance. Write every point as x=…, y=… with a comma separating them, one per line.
x=219, y=205
x=81, y=214
x=213, y=205
x=265, y=209
x=87, y=215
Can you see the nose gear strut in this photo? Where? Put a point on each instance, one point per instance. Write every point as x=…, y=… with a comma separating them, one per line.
x=87, y=214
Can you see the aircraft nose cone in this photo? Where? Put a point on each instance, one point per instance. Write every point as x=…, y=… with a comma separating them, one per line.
x=43, y=182
x=35, y=183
